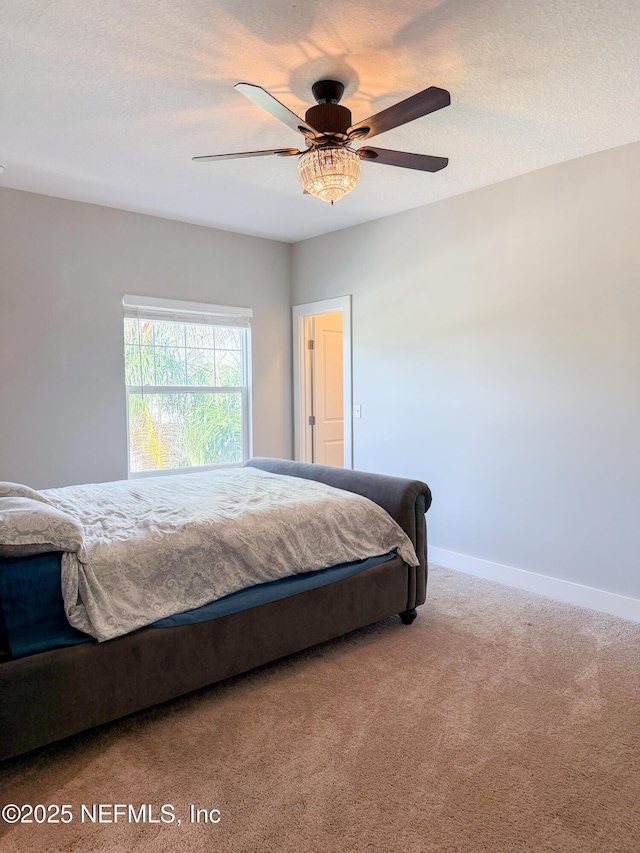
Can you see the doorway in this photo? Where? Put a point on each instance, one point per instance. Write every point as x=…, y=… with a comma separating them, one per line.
x=322, y=382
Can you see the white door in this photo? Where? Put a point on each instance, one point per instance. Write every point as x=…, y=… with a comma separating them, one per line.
x=328, y=392
x=322, y=382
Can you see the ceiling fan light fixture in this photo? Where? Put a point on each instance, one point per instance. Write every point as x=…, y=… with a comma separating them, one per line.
x=329, y=173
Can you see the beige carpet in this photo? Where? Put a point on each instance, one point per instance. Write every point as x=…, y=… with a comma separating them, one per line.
x=499, y=721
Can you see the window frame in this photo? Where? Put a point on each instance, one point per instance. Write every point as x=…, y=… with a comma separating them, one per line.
x=160, y=310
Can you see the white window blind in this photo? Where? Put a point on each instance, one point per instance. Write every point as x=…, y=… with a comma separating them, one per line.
x=154, y=308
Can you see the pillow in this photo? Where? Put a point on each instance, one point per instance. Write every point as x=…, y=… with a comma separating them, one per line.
x=16, y=490
x=30, y=526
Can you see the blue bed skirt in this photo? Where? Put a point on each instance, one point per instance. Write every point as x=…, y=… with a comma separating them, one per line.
x=32, y=618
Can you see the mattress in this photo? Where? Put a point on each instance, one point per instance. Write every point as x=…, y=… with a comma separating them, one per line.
x=32, y=617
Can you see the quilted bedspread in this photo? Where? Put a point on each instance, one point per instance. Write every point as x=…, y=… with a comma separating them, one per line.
x=159, y=546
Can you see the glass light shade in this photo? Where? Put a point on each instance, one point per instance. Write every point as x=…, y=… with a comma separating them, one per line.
x=329, y=173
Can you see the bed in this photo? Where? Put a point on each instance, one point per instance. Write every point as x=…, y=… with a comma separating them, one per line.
x=48, y=693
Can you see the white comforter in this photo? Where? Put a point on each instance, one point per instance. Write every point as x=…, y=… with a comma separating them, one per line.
x=159, y=546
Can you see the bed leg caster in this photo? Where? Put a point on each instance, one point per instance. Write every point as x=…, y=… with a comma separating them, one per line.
x=408, y=616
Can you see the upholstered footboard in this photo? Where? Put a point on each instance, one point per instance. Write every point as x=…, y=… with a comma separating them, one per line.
x=406, y=501
x=48, y=696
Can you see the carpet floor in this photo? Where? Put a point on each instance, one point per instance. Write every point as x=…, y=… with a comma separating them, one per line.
x=499, y=721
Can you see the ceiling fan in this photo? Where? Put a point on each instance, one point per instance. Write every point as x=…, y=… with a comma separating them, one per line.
x=330, y=167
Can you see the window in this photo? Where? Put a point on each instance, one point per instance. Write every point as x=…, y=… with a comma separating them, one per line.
x=187, y=378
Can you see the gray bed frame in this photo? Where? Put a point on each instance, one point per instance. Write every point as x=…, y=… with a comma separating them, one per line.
x=54, y=694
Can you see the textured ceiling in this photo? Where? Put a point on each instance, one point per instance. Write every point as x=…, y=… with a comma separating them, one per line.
x=106, y=101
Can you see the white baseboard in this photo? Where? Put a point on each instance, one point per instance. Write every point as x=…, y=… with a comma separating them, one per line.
x=571, y=593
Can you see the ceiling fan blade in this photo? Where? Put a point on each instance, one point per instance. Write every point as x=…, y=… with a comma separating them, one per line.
x=422, y=162
x=263, y=99
x=280, y=152
x=427, y=101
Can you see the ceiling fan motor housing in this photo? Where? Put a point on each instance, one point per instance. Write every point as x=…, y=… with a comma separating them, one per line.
x=329, y=118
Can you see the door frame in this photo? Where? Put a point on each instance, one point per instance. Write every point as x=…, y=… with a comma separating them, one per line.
x=302, y=436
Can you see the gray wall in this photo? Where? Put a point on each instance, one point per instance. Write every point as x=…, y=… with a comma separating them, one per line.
x=64, y=267
x=497, y=356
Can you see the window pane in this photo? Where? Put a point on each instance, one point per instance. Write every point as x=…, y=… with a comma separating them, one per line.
x=228, y=368
x=130, y=331
x=200, y=367
x=145, y=328
x=199, y=336
x=138, y=332
x=168, y=334
x=170, y=366
x=131, y=365
x=183, y=430
x=139, y=362
x=227, y=338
